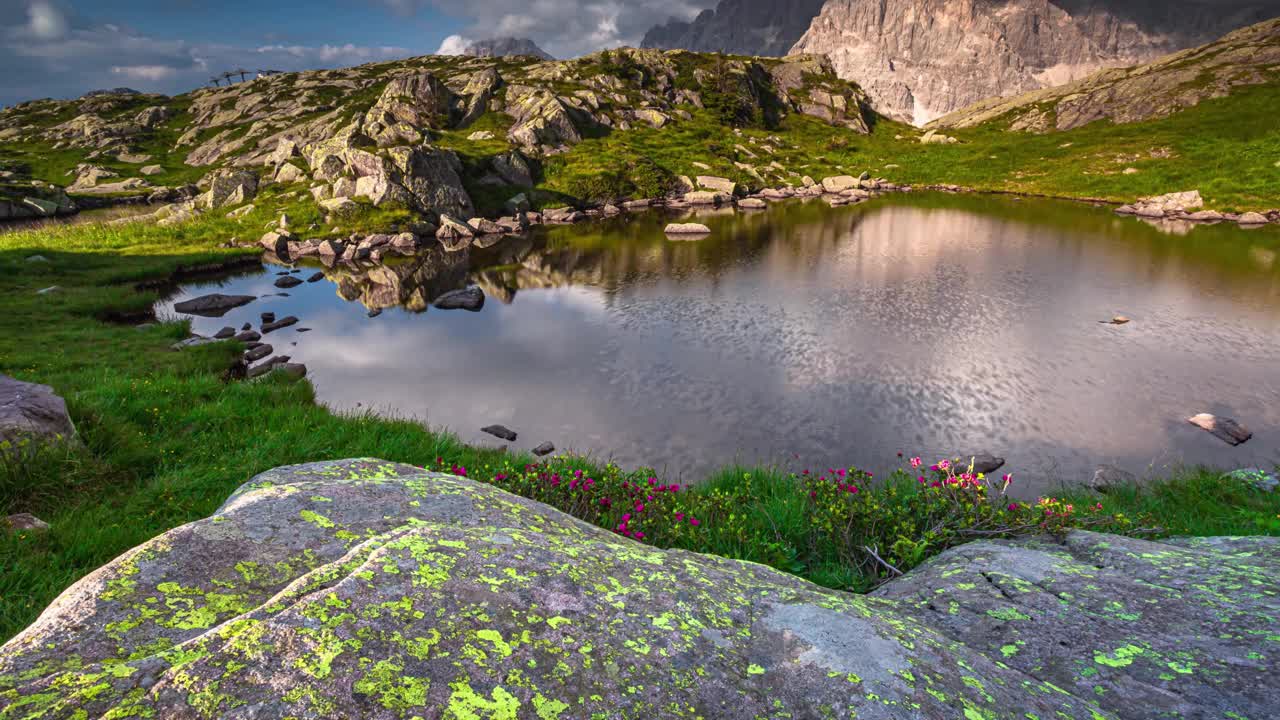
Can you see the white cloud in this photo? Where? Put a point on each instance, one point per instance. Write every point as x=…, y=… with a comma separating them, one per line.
x=47, y=21
x=45, y=52
x=154, y=73
x=564, y=28
x=454, y=45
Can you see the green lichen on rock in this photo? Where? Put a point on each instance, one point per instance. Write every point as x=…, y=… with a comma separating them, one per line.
x=362, y=588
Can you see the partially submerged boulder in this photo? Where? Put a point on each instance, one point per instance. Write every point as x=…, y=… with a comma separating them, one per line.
x=31, y=413
x=362, y=588
x=213, y=304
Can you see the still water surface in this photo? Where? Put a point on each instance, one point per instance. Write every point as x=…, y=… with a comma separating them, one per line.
x=808, y=336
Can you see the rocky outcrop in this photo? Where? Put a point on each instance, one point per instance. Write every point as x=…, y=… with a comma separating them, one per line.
x=506, y=47
x=738, y=27
x=922, y=59
x=422, y=177
x=31, y=413
x=363, y=588
x=1249, y=56
x=409, y=106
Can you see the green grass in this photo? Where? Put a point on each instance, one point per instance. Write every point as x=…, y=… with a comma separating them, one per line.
x=166, y=438
x=1228, y=148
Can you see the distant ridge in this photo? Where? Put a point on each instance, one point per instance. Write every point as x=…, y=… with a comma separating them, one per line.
x=506, y=47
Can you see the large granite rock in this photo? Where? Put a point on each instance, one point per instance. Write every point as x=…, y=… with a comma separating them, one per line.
x=363, y=588
x=31, y=413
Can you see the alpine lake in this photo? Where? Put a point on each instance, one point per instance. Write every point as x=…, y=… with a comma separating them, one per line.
x=807, y=336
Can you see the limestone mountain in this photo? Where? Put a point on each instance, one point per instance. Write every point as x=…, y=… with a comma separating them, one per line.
x=506, y=47
x=921, y=59
x=739, y=27
x=426, y=134
x=1250, y=56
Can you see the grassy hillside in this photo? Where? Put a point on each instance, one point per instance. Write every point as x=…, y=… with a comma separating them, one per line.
x=167, y=435
x=629, y=124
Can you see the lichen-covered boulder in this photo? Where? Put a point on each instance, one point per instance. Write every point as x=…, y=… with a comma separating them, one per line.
x=367, y=589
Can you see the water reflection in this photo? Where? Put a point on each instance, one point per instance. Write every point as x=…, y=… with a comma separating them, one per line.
x=811, y=336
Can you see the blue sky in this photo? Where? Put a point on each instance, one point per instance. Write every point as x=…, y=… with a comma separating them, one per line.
x=63, y=48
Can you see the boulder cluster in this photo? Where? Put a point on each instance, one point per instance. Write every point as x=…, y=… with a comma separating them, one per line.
x=1189, y=206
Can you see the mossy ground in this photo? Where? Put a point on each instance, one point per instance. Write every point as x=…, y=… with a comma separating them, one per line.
x=167, y=438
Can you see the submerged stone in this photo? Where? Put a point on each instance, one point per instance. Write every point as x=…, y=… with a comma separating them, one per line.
x=212, y=305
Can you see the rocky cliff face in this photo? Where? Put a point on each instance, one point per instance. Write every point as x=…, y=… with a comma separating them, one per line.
x=1249, y=56
x=920, y=59
x=507, y=47
x=363, y=588
x=739, y=27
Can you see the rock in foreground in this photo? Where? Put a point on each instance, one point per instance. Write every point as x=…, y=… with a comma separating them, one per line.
x=30, y=412
x=367, y=589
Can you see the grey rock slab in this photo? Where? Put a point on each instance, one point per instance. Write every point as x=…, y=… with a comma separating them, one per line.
x=32, y=412
x=471, y=299
x=23, y=523
x=982, y=462
x=363, y=588
x=1225, y=429
x=283, y=322
x=501, y=432
x=288, y=281
x=257, y=353
x=212, y=305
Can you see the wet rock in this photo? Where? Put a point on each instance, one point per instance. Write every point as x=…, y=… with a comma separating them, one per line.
x=687, y=229
x=707, y=197
x=278, y=241
x=212, y=305
x=293, y=370
x=1253, y=218
x=839, y=183
x=500, y=431
x=481, y=226
x=471, y=298
x=281, y=323
x=31, y=412
x=452, y=228
x=545, y=448
x=1117, y=320
x=24, y=524
x=193, y=341
x=1225, y=429
x=247, y=336
x=1106, y=477
x=752, y=204
x=317, y=277
x=717, y=184
x=302, y=561
x=984, y=463
x=268, y=317
x=1255, y=477
x=224, y=333
x=288, y=281
x=374, y=313
x=259, y=352
x=562, y=216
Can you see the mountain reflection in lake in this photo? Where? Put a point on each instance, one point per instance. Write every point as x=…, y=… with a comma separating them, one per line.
x=810, y=337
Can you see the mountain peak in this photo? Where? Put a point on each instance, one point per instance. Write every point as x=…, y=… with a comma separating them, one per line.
x=506, y=47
